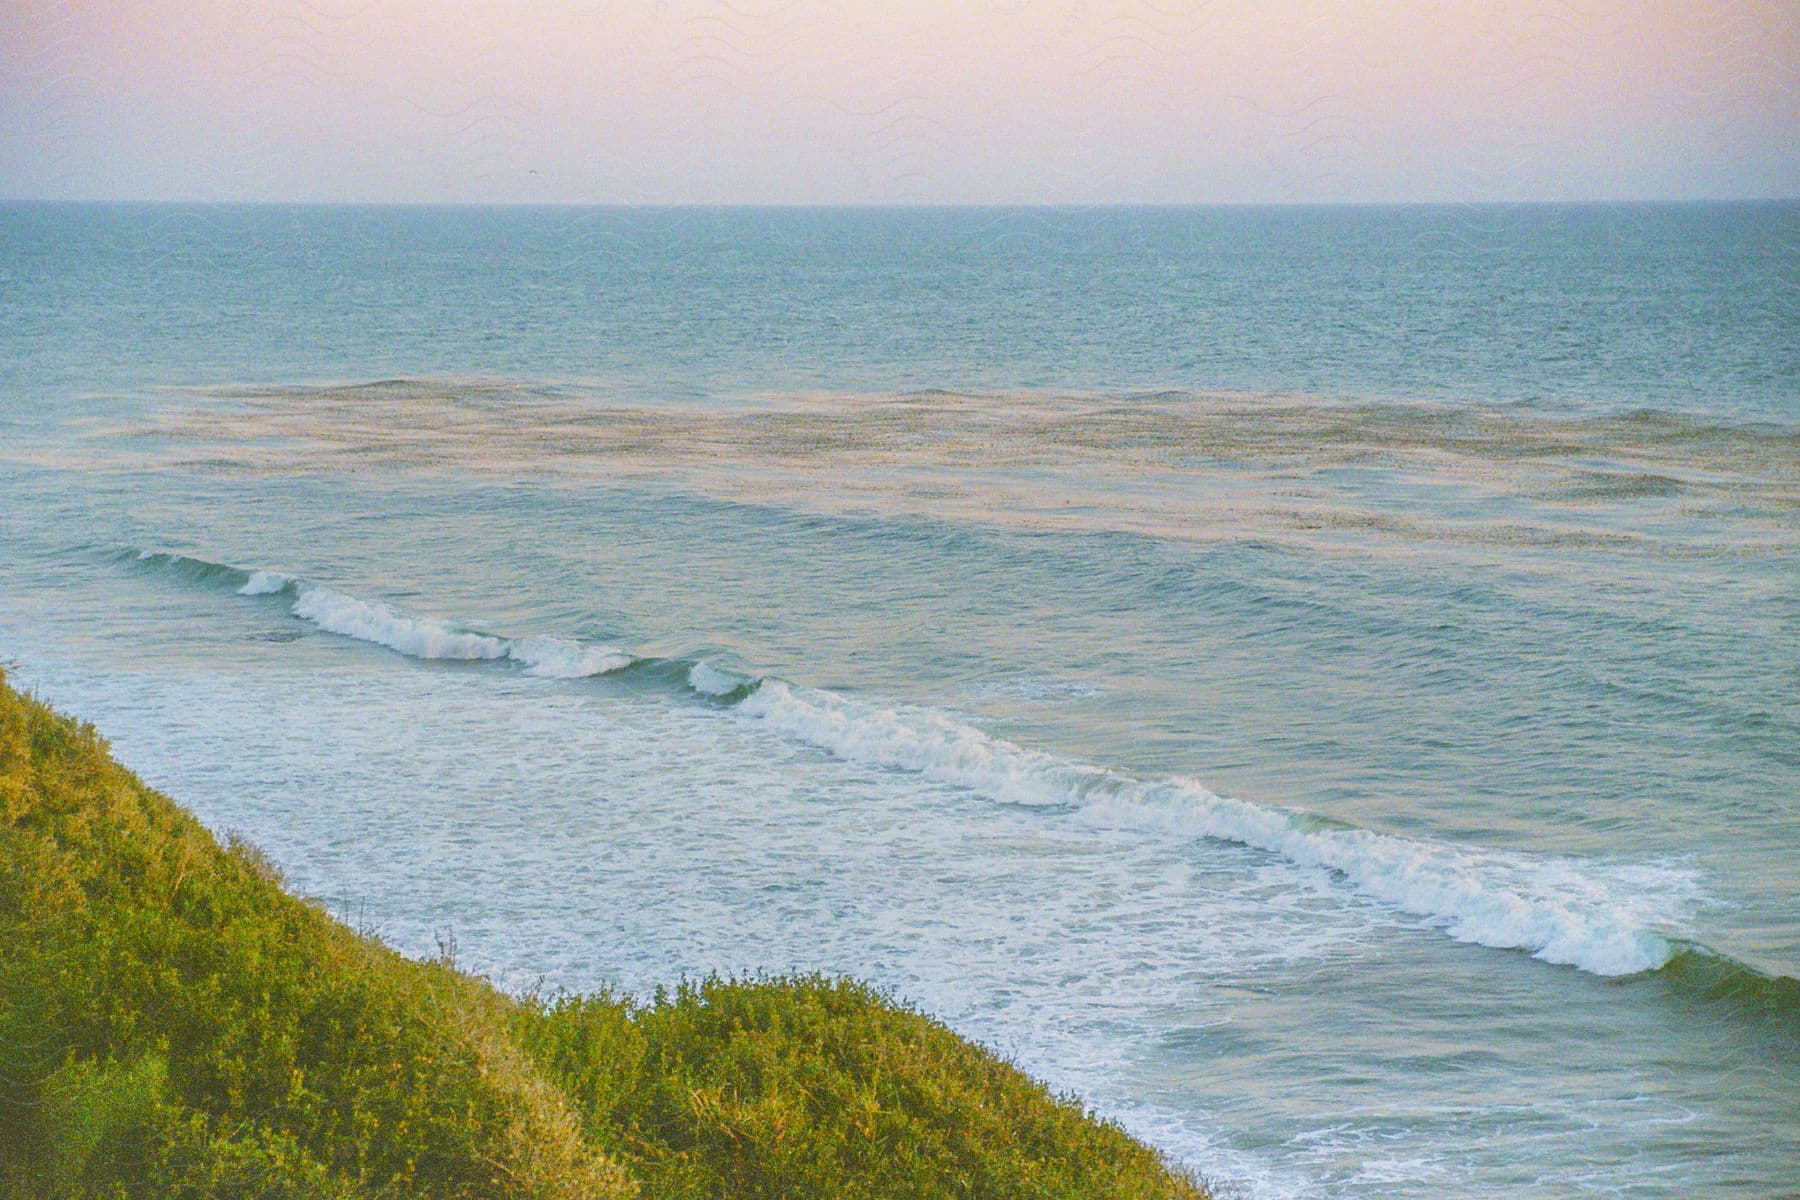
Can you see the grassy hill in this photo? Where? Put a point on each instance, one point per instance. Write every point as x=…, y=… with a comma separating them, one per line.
x=174, y=1024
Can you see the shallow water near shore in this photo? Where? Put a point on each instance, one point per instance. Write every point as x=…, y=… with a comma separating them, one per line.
x=1318, y=685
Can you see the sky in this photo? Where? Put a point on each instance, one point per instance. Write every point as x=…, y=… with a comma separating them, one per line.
x=930, y=102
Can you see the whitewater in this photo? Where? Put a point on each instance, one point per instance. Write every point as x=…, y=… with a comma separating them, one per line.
x=1615, y=920
x=1322, y=687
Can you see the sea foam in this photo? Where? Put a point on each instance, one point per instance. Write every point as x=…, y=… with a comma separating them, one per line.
x=1607, y=920
x=424, y=637
x=566, y=658
x=1604, y=921
x=373, y=621
x=265, y=583
x=713, y=681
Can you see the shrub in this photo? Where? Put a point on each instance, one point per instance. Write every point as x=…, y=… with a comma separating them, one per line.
x=173, y=1023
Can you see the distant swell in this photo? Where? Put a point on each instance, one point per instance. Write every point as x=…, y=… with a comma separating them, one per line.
x=1607, y=920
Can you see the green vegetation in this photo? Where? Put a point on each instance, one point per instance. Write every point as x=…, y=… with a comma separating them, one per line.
x=173, y=1023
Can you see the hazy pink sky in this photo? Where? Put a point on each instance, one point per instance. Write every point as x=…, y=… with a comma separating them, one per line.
x=1004, y=101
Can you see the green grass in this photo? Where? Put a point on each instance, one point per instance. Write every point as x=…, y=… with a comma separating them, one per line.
x=174, y=1024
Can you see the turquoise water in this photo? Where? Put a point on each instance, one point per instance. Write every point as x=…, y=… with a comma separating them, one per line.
x=1319, y=684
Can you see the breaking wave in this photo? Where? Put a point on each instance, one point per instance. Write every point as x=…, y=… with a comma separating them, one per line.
x=1605, y=919
x=373, y=621
x=417, y=637
x=1702, y=976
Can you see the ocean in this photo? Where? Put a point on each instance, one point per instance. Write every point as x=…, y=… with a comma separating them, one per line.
x=1322, y=685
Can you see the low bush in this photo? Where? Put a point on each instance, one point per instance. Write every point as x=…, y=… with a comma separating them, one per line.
x=174, y=1024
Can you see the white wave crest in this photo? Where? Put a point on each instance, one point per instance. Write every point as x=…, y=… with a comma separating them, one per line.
x=565, y=658
x=921, y=740
x=373, y=621
x=709, y=680
x=265, y=583
x=1607, y=921
x=423, y=637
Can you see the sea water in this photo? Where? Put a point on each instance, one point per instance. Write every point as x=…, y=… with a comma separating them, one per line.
x=1320, y=685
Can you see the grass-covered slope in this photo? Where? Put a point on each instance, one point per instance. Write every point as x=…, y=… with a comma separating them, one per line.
x=172, y=1023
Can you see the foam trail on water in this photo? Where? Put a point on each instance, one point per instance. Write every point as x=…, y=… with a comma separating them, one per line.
x=1607, y=922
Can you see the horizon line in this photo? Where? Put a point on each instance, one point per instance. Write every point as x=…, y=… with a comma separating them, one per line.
x=898, y=206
